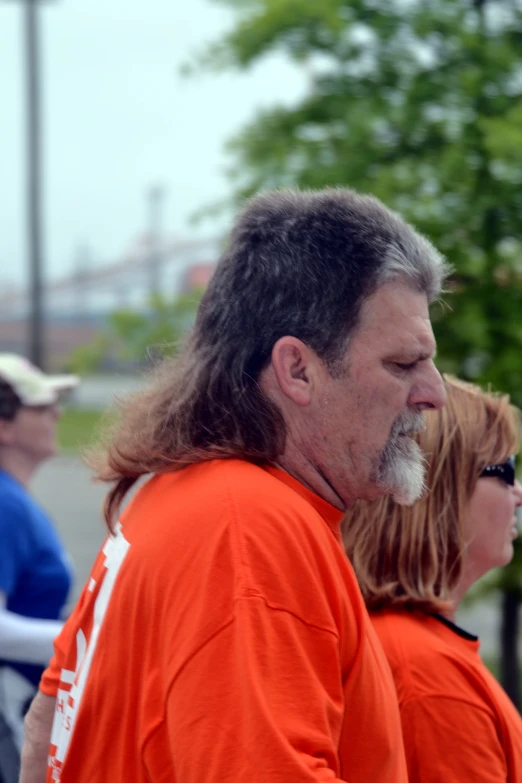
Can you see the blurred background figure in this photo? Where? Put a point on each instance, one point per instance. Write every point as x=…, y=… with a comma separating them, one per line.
x=35, y=575
x=415, y=564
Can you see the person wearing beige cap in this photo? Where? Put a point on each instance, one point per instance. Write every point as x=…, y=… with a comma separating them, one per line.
x=35, y=574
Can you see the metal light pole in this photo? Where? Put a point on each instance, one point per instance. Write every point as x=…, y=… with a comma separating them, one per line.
x=34, y=184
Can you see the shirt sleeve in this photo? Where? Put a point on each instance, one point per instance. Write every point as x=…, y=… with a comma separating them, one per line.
x=25, y=639
x=262, y=700
x=16, y=543
x=452, y=740
x=51, y=677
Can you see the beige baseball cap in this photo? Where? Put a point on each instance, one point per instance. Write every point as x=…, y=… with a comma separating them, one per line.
x=30, y=384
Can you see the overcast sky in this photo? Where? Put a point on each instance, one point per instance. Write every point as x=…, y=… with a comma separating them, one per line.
x=118, y=119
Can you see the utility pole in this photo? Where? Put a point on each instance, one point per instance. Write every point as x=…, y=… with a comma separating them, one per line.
x=36, y=346
x=34, y=185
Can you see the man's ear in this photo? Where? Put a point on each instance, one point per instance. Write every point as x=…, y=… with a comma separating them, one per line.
x=297, y=369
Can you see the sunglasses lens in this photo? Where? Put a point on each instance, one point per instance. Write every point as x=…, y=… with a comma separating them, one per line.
x=504, y=471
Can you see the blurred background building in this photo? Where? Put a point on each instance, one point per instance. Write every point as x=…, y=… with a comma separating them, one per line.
x=77, y=305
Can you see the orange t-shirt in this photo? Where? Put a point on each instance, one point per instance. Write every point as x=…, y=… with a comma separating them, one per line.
x=458, y=723
x=222, y=637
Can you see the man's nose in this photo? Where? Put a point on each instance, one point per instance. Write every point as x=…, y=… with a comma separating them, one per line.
x=429, y=390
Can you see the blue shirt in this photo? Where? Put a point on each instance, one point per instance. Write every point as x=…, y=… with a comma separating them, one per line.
x=34, y=571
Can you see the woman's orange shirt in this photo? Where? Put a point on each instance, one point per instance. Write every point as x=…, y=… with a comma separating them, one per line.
x=458, y=723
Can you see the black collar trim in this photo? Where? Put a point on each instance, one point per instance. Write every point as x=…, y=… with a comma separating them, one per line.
x=455, y=628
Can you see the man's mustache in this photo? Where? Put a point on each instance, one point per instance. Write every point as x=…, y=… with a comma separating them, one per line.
x=408, y=423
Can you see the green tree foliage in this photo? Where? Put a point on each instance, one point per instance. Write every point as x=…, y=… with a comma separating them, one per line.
x=419, y=103
x=136, y=337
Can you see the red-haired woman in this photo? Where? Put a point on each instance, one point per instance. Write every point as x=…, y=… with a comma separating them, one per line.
x=415, y=564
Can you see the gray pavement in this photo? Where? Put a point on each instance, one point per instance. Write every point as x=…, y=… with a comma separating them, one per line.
x=65, y=489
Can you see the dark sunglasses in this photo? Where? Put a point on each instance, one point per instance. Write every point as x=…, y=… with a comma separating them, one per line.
x=505, y=471
x=10, y=402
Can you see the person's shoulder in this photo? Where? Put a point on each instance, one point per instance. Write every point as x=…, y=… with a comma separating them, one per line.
x=270, y=501
x=240, y=526
x=424, y=657
x=242, y=487
x=14, y=499
x=242, y=477
x=400, y=633
x=259, y=511
x=261, y=486
x=394, y=625
x=256, y=515
x=408, y=634
x=17, y=517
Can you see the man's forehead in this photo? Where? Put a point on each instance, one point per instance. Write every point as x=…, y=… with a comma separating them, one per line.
x=412, y=333
x=397, y=314
x=397, y=300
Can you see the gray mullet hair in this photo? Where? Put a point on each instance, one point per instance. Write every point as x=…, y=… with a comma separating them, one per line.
x=297, y=263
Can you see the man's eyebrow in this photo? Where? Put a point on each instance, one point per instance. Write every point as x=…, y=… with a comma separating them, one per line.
x=417, y=356
x=425, y=352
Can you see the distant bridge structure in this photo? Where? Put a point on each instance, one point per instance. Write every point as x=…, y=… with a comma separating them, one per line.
x=130, y=280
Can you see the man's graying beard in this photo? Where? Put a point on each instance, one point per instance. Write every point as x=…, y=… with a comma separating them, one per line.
x=401, y=469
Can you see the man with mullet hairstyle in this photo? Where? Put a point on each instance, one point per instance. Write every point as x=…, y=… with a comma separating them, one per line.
x=222, y=635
